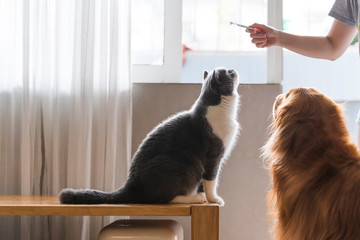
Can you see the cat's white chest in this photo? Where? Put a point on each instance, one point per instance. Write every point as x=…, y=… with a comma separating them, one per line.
x=222, y=119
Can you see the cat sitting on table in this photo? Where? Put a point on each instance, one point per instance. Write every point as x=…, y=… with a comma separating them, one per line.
x=180, y=159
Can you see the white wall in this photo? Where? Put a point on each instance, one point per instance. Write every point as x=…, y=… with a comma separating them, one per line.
x=243, y=181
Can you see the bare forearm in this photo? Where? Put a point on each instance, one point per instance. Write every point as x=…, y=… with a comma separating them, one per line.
x=310, y=46
x=331, y=46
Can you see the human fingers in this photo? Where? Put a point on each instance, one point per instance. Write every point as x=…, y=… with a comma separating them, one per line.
x=254, y=30
x=258, y=27
x=256, y=34
x=261, y=45
x=259, y=41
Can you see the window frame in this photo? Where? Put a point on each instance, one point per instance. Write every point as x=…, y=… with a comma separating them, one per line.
x=274, y=61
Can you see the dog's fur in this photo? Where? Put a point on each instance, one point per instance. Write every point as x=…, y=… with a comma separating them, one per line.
x=315, y=170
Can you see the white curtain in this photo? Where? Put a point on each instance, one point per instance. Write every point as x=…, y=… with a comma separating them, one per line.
x=65, y=106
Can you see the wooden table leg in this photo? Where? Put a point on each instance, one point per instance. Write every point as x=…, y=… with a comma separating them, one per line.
x=204, y=222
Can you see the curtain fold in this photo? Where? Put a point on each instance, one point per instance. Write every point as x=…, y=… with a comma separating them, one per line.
x=65, y=106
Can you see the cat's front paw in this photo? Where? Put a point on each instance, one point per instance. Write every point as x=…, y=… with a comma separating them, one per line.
x=216, y=199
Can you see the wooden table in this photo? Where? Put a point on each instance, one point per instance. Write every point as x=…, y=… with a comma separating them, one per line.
x=204, y=217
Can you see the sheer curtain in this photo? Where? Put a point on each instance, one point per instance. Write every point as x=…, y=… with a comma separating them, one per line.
x=65, y=106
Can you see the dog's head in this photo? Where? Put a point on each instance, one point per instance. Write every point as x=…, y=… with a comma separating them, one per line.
x=305, y=124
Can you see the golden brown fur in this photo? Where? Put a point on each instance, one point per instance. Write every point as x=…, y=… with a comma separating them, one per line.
x=315, y=170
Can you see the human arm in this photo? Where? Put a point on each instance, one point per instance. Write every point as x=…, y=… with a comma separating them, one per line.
x=331, y=46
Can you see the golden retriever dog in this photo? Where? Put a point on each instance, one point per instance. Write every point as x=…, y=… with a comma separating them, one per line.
x=314, y=168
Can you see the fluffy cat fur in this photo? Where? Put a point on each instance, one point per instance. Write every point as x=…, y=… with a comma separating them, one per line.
x=180, y=159
x=315, y=170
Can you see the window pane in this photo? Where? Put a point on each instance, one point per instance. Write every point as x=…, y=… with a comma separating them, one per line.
x=214, y=43
x=206, y=23
x=147, y=32
x=338, y=79
x=307, y=17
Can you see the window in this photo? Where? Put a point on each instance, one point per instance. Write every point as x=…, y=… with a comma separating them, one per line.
x=338, y=79
x=202, y=25
x=206, y=24
x=213, y=42
x=147, y=43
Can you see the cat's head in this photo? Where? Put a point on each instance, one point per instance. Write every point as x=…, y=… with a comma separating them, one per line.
x=219, y=82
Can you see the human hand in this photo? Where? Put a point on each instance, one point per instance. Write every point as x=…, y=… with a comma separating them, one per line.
x=263, y=36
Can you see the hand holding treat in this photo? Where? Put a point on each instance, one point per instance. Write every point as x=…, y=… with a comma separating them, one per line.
x=263, y=36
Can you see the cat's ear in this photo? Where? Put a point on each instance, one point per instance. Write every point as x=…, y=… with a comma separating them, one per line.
x=215, y=77
x=205, y=74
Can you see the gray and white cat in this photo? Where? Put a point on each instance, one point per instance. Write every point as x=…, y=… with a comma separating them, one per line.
x=180, y=159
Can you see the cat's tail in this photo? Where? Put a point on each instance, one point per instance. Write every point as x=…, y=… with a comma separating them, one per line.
x=90, y=196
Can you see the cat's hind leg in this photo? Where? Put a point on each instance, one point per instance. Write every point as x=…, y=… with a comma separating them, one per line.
x=198, y=198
